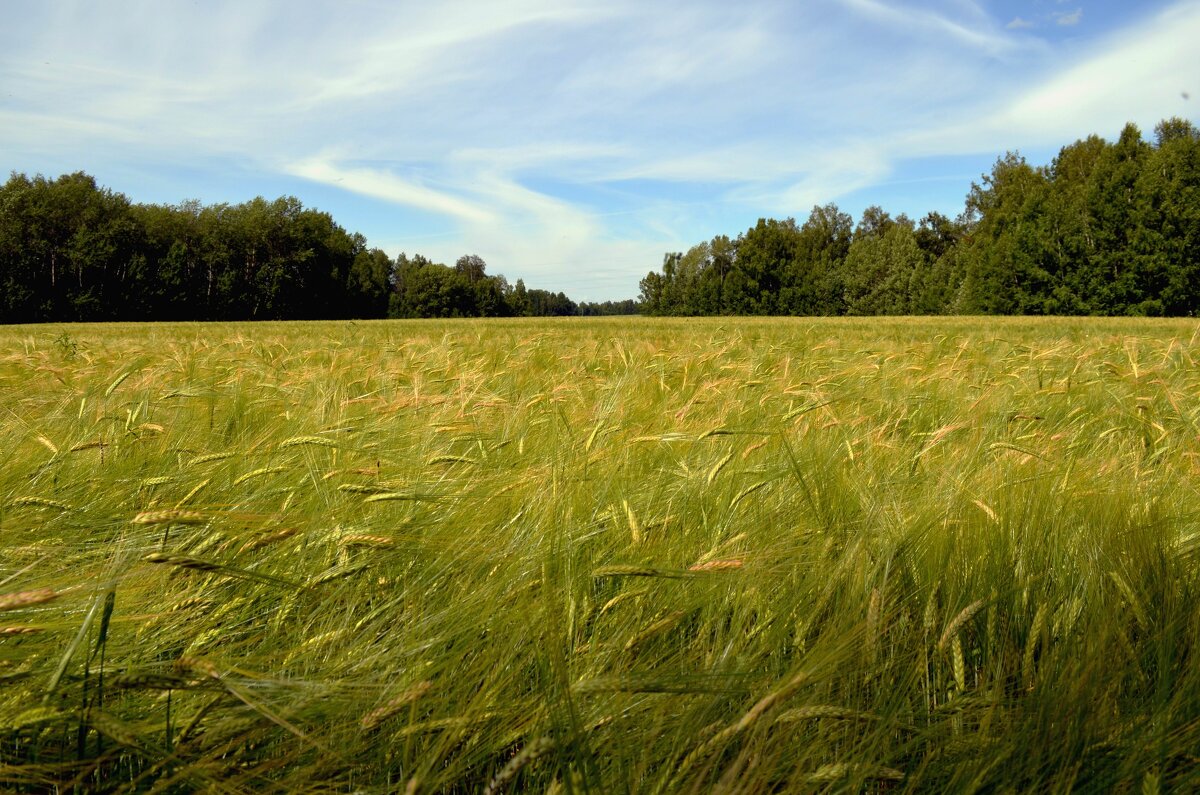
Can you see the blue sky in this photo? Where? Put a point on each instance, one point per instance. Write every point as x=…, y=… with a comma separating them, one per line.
x=571, y=143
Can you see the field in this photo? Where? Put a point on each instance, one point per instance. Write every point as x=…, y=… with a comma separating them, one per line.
x=601, y=556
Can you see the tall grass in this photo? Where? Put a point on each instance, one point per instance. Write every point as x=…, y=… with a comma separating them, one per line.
x=602, y=556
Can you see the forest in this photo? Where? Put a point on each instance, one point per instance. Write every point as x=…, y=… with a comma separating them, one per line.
x=71, y=250
x=1104, y=229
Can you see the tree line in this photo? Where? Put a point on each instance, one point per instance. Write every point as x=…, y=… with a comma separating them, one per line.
x=1104, y=229
x=73, y=251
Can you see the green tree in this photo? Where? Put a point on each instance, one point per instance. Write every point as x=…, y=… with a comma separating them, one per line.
x=882, y=270
x=519, y=301
x=765, y=255
x=66, y=247
x=813, y=280
x=1112, y=278
x=936, y=282
x=1005, y=271
x=1167, y=220
x=371, y=281
x=653, y=289
x=471, y=266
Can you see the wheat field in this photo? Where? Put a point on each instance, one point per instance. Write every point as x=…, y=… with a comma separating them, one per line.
x=603, y=556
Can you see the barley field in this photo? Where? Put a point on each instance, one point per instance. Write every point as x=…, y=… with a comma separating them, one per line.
x=601, y=556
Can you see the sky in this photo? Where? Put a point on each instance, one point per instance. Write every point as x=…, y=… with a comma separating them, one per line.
x=571, y=143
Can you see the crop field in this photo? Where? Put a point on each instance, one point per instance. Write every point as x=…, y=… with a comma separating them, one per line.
x=601, y=556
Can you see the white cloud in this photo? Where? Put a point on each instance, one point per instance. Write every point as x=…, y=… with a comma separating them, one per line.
x=1134, y=75
x=439, y=44
x=389, y=187
x=1067, y=20
x=560, y=138
x=839, y=172
x=530, y=156
x=697, y=105
x=521, y=232
x=921, y=20
x=652, y=51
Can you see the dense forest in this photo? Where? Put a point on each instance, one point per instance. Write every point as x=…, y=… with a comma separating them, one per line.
x=70, y=250
x=1105, y=229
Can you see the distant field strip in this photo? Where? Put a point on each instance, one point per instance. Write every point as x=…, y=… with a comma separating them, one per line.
x=735, y=555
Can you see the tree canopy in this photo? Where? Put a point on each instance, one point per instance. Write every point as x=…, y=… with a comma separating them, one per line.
x=71, y=250
x=1105, y=229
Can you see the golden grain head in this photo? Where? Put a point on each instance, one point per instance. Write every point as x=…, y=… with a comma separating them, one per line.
x=718, y=565
x=197, y=666
x=365, y=540
x=395, y=704
x=965, y=615
x=157, y=481
x=30, y=717
x=170, y=516
x=313, y=441
x=257, y=473
x=207, y=457
x=38, y=502
x=360, y=488
x=268, y=539
x=16, y=601
x=451, y=459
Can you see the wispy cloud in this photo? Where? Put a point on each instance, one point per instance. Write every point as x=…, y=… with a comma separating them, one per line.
x=1134, y=75
x=926, y=21
x=438, y=44
x=389, y=187
x=567, y=142
x=1069, y=19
